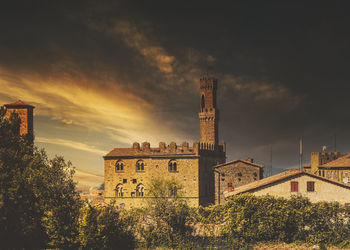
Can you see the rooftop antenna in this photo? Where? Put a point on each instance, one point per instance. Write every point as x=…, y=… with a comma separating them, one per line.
x=300, y=153
x=271, y=160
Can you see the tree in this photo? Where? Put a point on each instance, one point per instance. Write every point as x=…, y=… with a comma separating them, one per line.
x=167, y=215
x=39, y=206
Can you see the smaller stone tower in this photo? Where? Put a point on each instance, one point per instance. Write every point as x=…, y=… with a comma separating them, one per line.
x=25, y=113
x=208, y=114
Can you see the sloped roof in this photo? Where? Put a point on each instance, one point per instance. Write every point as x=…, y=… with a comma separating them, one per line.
x=239, y=160
x=343, y=161
x=18, y=103
x=278, y=177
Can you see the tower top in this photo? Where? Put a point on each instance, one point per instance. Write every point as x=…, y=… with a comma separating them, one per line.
x=18, y=104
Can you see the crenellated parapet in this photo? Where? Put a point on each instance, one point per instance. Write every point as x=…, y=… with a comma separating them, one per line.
x=163, y=149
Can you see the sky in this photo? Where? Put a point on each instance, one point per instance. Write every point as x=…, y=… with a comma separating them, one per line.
x=105, y=74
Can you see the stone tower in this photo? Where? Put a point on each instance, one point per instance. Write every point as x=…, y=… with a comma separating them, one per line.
x=208, y=114
x=25, y=113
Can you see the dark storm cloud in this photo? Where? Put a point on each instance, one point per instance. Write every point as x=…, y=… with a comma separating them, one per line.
x=282, y=65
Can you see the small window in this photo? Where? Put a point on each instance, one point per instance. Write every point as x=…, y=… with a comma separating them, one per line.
x=255, y=174
x=134, y=181
x=239, y=179
x=229, y=184
x=294, y=186
x=119, y=191
x=119, y=166
x=140, y=165
x=140, y=190
x=172, y=166
x=310, y=186
x=223, y=175
x=125, y=180
x=222, y=179
x=239, y=174
x=173, y=191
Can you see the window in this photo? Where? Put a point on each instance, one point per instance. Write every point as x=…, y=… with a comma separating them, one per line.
x=294, y=186
x=203, y=102
x=134, y=181
x=229, y=185
x=125, y=180
x=172, y=166
x=140, y=190
x=255, y=174
x=119, y=166
x=239, y=174
x=173, y=191
x=119, y=192
x=310, y=186
x=140, y=165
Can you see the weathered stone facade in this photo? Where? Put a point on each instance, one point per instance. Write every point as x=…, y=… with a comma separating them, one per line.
x=331, y=165
x=25, y=113
x=129, y=171
x=231, y=175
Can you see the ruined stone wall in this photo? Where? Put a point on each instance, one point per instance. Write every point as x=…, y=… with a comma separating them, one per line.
x=234, y=175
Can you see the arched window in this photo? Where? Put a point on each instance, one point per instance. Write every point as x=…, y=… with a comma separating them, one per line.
x=119, y=191
x=140, y=190
x=172, y=191
x=172, y=166
x=140, y=165
x=119, y=166
x=202, y=102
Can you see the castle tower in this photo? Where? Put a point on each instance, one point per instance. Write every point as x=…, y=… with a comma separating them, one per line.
x=25, y=113
x=208, y=114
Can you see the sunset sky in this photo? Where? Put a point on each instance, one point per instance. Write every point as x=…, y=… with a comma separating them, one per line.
x=104, y=74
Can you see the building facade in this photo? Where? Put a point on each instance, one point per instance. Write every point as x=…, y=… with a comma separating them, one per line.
x=25, y=113
x=230, y=175
x=331, y=165
x=297, y=182
x=129, y=171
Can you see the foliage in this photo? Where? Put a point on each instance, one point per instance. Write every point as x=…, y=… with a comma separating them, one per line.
x=38, y=202
x=167, y=216
x=247, y=219
x=102, y=228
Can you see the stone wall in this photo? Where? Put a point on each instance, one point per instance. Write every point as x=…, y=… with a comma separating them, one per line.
x=233, y=175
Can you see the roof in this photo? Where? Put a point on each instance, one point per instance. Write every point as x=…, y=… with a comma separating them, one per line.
x=279, y=177
x=343, y=161
x=19, y=103
x=239, y=160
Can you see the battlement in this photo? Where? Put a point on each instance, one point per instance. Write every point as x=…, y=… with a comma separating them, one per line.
x=163, y=149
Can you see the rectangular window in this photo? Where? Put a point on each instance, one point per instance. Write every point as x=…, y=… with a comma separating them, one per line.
x=294, y=186
x=310, y=186
x=124, y=181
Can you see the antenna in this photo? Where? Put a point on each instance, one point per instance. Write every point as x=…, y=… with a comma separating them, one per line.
x=271, y=160
x=300, y=153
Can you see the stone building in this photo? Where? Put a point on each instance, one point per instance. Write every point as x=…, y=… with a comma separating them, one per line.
x=297, y=182
x=331, y=165
x=129, y=171
x=25, y=113
x=231, y=175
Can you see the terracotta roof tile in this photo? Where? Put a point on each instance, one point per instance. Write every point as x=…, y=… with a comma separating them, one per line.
x=343, y=161
x=18, y=103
